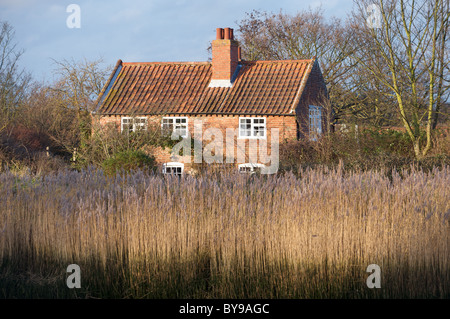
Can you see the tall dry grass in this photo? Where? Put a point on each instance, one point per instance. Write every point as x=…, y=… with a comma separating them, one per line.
x=226, y=236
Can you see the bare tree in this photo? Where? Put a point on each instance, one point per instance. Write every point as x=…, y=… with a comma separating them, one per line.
x=13, y=81
x=47, y=113
x=81, y=81
x=306, y=34
x=61, y=111
x=410, y=49
x=78, y=87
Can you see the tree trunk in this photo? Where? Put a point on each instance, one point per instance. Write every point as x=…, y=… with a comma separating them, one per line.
x=417, y=152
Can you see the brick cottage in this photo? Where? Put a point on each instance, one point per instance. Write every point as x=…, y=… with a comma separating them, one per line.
x=250, y=97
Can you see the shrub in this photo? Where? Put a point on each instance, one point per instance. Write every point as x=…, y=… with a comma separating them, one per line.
x=127, y=161
x=107, y=141
x=368, y=148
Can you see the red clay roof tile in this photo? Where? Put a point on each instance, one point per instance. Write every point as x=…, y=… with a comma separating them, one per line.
x=261, y=87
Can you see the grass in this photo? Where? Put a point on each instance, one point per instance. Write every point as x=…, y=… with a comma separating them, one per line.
x=310, y=235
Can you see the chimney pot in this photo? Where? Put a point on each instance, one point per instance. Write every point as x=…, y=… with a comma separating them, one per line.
x=227, y=34
x=219, y=34
x=231, y=34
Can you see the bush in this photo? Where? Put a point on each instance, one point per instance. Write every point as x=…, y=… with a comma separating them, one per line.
x=127, y=161
x=365, y=149
x=106, y=141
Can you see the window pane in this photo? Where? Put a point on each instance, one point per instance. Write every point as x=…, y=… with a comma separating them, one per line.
x=315, y=122
x=175, y=125
x=127, y=128
x=175, y=170
x=259, y=130
x=252, y=127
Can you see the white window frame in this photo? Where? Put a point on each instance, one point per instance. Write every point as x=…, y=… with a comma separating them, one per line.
x=249, y=167
x=252, y=127
x=315, y=122
x=174, y=125
x=171, y=166
x=135, y=125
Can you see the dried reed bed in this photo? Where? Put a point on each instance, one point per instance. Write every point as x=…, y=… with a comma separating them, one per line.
x=226, y=236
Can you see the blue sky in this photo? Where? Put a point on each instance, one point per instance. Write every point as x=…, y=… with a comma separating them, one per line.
x=132, y=30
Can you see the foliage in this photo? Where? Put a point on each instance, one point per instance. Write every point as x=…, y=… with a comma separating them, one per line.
x=363, y=148
x=127, y=161
x=107, y=141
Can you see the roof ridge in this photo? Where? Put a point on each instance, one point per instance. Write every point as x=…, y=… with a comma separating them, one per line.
x=209, y=62
x=170, y=63
x=277, y=61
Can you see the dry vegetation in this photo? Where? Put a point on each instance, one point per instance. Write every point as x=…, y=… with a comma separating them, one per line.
x=226, y=236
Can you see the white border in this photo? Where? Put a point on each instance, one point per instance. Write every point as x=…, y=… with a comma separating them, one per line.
x=252, y=165
x=173, y=164
x=252, y=118
x=177, y=117
x=133, y=117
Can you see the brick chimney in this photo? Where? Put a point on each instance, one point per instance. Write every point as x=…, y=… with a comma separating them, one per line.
x=225, y=58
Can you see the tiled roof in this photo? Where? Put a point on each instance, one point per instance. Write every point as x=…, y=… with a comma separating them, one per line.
x=261, y=87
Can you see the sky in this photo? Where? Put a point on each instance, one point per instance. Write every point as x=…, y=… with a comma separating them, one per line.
x=132, y=30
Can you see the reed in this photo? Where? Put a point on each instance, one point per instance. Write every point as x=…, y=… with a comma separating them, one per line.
x=310, y=235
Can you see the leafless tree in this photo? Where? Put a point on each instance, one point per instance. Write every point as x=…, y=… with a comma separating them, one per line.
x=61, y=111
x=411, y=51
x=307, y=34
x=81, y=81
x=79, y=84
x=13, y=81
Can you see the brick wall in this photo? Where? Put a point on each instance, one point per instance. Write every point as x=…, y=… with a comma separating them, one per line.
x=244, y=150
x=314, y=93
x=110, y=120
x=224, y=59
